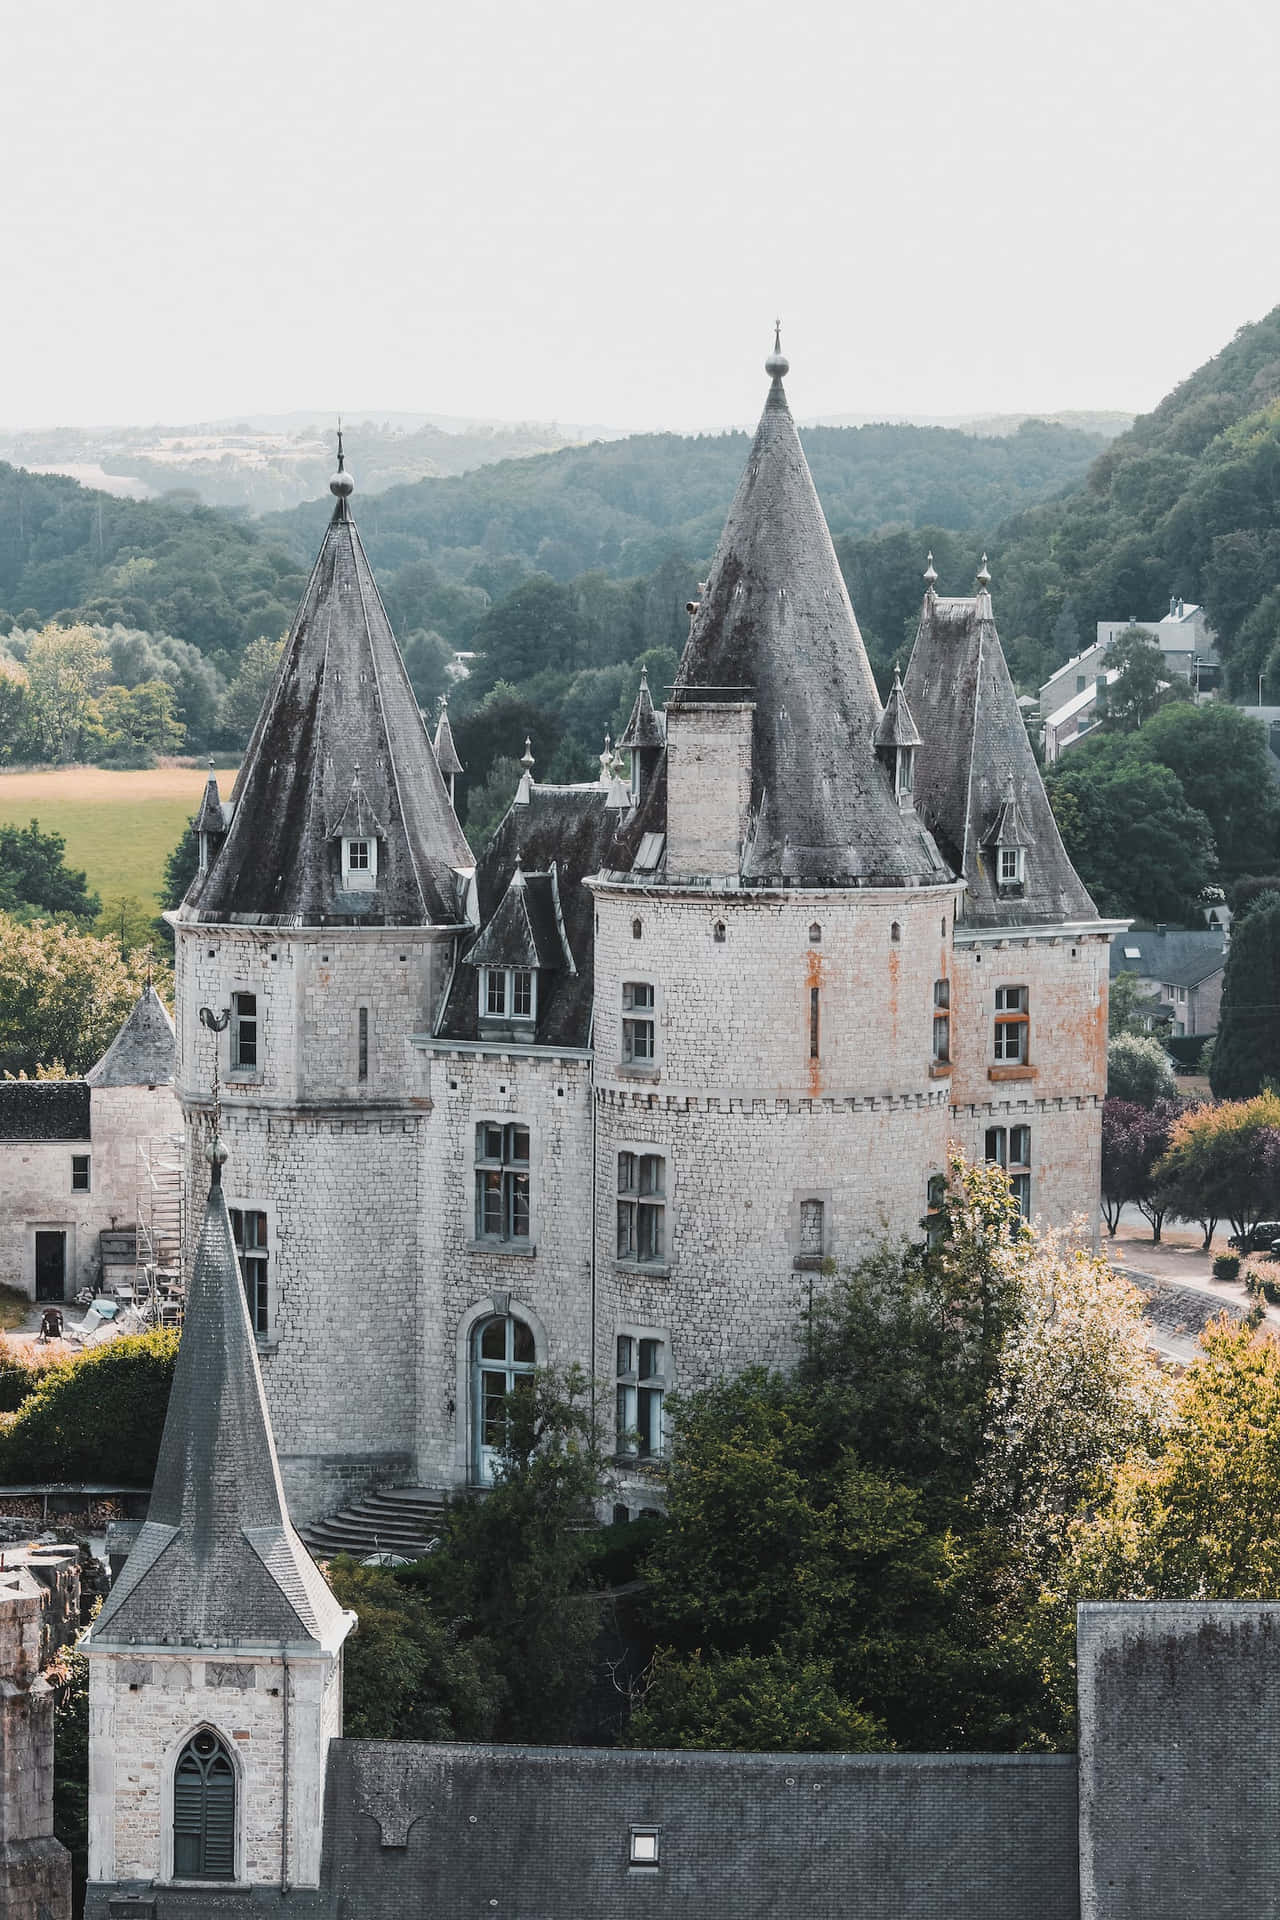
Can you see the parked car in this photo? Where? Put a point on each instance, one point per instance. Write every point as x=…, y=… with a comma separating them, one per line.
x=1262, y=1237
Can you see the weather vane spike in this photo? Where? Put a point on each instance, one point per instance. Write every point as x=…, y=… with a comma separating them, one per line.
x=777, y=336
x=341, y=461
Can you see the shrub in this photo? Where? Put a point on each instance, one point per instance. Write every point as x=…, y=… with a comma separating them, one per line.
x=97, y=1417
x=1226, y=1266
x=1138, y=1069
x=613, y=1556
x=1204, y=1063
x=20, y=1373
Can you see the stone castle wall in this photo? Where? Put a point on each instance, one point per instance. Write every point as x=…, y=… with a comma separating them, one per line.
x=38, y=1598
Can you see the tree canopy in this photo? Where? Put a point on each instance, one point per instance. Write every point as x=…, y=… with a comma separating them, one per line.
x=1246, y=1054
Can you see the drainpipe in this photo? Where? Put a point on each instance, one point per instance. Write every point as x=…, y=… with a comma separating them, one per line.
x=284, y=1776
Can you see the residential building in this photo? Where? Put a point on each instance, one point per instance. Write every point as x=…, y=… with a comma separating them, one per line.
x=1180, y=975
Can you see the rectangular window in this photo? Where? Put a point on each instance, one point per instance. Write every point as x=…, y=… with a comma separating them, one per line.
x=249, y=1231
x=1011, y=1026
x=638, y=1032
x=502, y=1181
x=495, y=992
x=1081, y=682
x=359, y=865
x=522, y=994
x=1010, y=866
x=362, y=1044
x=358, y=856
x=814, y=1017
x=1010, y=1148
x=642, y=1182
x=942, y=1021
x=244, y=1032
x=812, y=1223
x=641, y=1384
x=644, y=1846
x=80, y=1173
x=508, y=993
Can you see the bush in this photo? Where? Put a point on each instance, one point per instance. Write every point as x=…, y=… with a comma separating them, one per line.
x=1204, y=1063
x=1138, y=1069
x=1260, y=1287
x=758, y=1703
x=20, y=1374
x=1226, y=1266
x=98, y=1417
x=613, y=1556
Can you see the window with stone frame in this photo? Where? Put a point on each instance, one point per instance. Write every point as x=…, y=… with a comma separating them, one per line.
x=249, y=1231
x=639, y=1023
x=359, y=865
x=1010, y=1148
x=942, y=1022
x=642, y=1223
x=244, y=1033
x=508, y=993
x=204, y=1810
x=1009, y=873
x=502, y=1181
x=812, y=1229
x=81, y=1172
x=1011, y=1026
x=641, y=1386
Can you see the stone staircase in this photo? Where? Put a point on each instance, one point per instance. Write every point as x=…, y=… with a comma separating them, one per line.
x=398, y=1520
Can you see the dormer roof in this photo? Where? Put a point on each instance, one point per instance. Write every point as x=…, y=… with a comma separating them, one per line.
x=1007, y=829
x=527, y=930
x=978, y=769
x=212, y=815
x=217, y=1562
x=357, y=821
x=340, y=699
x=897, y=728
x=446, y=753
x=774, y=627
x=142, y=1053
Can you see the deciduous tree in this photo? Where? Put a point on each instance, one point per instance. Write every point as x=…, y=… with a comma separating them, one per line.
x=1246, y=1054
x=63, y=995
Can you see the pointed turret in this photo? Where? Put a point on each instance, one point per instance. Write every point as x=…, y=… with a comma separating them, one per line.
x=340, y=698
x=896, y=743
x=142, y=1053
x=977, y=777
x=210, y=824
x=774, y=632
x=217, y=1562
x=644, y=739
x=446, y=753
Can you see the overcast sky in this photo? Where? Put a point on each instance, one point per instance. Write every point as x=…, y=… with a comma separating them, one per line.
x=568, y=210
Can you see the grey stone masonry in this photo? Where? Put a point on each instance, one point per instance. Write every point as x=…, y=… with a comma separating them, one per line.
x=35, y=1869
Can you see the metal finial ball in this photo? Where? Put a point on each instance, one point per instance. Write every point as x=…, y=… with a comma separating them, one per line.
x=984, y=573
x=215, y=1153
x=777, y=365
x=342, y=486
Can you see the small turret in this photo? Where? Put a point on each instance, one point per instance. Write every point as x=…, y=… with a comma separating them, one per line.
x=643, y=739
x=446, y=753
x=896, y=743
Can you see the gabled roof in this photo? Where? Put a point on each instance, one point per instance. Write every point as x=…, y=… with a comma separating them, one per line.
x=774, y=626
x=1182, y=959
x=526, y=930
x=976, y=755
x=446, y=753
x=897, y=728
x=644, y=729
x=357, y=821
x=1007, y=829
x=44, y=1110
x=142, y=1053
x=217, y=1561
x=340, y=697
x=574, y=830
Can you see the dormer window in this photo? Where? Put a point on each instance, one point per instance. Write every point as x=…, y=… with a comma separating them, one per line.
x=359, y=865
x=904, y=772
x=508, y=993
x=1011, y=864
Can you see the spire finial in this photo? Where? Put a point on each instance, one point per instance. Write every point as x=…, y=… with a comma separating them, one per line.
x=984, y=575
x=777, y=364
x=526, y=758
x=644, y=678
x=342, y=486
x=930, y=572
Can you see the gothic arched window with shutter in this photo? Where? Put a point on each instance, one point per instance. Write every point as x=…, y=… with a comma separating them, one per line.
x=204, y=1810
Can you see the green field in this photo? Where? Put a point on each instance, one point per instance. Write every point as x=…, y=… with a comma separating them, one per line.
x=120, y=827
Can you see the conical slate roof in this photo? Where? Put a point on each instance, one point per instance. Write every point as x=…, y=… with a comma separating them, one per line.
x=977, y=762
x=897, y=728
x=217, y=1562
x=210, y=818
x=341, y=697
x=644, y=729
x=142, y=1053
x=775, y=626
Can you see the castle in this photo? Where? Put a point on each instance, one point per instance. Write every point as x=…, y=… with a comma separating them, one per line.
x=612, y=1088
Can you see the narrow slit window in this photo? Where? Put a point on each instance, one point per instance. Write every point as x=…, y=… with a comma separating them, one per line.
x=814, y=1021
x=362, y=1044
x=942, y=1021
x=244, y=1032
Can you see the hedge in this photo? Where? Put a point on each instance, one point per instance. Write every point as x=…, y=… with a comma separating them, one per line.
x=96, y=1417
x=1186, y=1048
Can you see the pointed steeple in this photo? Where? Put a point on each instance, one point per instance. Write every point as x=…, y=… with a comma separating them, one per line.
x=775, y=628
x=340, y=696
x=446, y=753
x=217, y=1561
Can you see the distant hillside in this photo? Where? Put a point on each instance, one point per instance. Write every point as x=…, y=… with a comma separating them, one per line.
x=624, y=506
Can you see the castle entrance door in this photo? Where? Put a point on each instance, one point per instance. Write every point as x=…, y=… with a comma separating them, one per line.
x=502, y=1363
x=51, y=1265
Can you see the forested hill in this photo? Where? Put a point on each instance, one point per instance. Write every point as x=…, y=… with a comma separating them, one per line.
x=624, y=506
x=1187, y=502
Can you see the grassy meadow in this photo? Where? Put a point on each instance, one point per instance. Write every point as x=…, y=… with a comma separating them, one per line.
x=120, y=827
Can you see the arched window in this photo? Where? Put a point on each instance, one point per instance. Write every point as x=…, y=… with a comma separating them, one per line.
x=204, y=1810
x=502, y=1363
x=815, y=935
